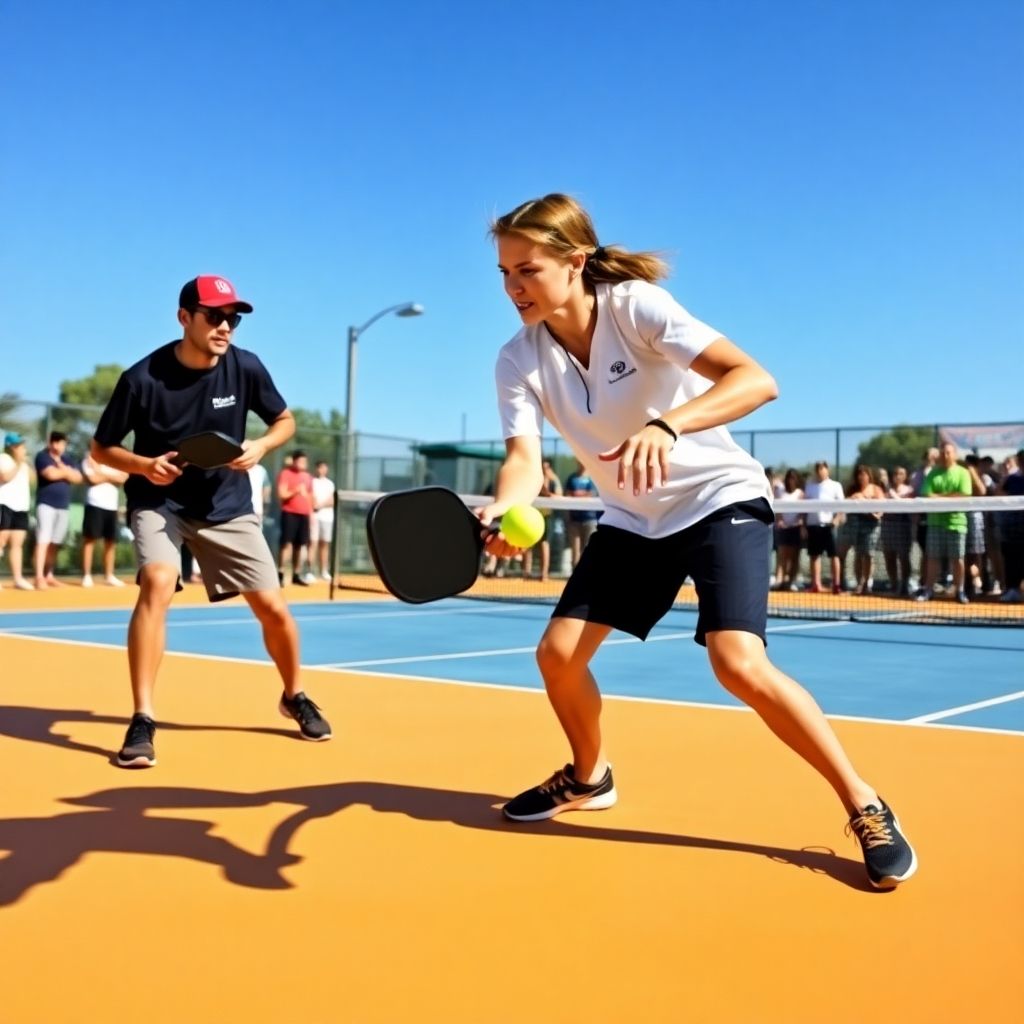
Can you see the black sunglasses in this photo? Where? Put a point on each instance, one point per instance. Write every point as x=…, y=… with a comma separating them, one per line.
x=216, y=317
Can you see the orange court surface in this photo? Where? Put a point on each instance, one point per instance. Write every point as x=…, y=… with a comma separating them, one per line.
x=252, y=877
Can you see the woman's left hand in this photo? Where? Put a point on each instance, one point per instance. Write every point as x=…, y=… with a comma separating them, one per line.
x=643, y=459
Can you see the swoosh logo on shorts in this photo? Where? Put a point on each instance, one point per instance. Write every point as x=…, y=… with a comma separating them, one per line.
x=736, y=521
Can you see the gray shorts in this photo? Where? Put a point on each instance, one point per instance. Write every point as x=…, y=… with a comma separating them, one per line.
x=234, y=557
x=51, y=524
x=942, y=543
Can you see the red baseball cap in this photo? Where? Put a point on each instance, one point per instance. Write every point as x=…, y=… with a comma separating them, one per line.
x=210, y=290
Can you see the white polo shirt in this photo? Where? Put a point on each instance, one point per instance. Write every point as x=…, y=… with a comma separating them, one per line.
x=16, y=493
x=643, y=345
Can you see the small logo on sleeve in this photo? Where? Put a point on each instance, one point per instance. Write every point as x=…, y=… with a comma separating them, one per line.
x=619, y=372
x=224, y=403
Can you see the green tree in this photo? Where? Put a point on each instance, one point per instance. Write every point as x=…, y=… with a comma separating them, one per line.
x=12, y=410
x=319, y=436
x=81, y=402
x=901, y=446
x=95, y=389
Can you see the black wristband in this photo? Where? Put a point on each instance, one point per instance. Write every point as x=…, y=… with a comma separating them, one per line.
x=664, y=426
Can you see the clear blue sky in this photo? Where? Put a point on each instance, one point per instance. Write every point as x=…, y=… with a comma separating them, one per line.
x=840, y=188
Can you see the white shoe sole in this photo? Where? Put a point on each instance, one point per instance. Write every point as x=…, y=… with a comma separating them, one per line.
x=586, y=803
x=137, y=762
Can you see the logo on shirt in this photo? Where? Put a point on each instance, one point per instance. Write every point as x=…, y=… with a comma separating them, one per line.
x=619, y=372
x=224, y=403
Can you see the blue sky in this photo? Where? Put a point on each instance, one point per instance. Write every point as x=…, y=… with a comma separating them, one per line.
x=839, y=186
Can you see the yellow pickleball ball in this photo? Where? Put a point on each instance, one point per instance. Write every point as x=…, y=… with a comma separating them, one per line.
x=523, y=526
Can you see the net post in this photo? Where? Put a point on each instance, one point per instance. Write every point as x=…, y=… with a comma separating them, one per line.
x=334, y=546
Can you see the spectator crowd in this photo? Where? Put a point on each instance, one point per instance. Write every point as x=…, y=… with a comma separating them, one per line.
x=36, y=502
x=968, y=556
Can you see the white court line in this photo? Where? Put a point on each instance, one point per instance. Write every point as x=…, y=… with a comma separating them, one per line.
x=502, y=651
x=534, y=690
x=493, y=652
x=243, y=618
x=950, y=712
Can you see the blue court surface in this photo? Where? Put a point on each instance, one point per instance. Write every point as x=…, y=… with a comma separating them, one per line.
x=962, y=676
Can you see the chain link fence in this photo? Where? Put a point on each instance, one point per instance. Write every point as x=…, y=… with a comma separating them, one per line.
x=374, y=462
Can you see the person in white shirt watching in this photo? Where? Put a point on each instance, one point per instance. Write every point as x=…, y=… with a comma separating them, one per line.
x=641, y=390
x=820, y=538
x=321, y=524
x=15, y=500
x=99, y=520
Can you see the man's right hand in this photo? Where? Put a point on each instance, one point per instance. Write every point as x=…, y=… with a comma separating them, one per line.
x=161, y=470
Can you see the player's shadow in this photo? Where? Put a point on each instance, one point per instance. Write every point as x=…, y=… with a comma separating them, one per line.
x=38, y=725
x=121, y=821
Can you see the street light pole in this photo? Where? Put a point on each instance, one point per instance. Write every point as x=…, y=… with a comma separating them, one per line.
x=404, y=309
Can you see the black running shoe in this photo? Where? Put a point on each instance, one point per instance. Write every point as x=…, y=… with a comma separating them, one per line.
x=138, y=751
x=888, y=857
x=562, y=793
x=312, y=724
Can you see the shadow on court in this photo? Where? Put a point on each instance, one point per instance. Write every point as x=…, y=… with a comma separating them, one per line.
x=119, y=821
x=37, y=725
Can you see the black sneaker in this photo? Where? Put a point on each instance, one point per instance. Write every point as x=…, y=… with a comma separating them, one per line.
x=562, y=793
x=888, y=857
x=312, y=724
x=138, y=751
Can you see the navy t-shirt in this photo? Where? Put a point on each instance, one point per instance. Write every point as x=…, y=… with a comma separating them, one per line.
x=164, y=401
x=55, y=493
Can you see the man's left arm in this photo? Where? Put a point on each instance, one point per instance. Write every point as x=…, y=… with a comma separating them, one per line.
x=280, y=431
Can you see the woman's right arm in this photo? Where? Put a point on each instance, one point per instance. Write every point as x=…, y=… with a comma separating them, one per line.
x=520, y=477
x=517, y=483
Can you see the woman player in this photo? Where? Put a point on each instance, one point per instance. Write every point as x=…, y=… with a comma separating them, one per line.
x=641, y=391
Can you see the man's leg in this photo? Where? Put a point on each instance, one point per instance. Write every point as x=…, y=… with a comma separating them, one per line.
x=88, y=543
x=147, y=631
x=39, y=554
x=958, y=574
x=52, y=550
x=109, y=553
x=280, y=635
x=281, y=638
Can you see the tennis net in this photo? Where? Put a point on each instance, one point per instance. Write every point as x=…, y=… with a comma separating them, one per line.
x=896, y=560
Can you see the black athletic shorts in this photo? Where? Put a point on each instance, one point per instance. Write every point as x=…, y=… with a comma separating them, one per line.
x=629, y=582
x=821, y=541
x=294, y=528
x=99, y=523
x=11, y=520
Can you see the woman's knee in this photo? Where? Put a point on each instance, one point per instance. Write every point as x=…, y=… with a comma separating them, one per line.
x=553, y=658
x=743, y=669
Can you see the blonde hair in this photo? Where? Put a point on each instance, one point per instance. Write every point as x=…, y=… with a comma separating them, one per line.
x=558, y=223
